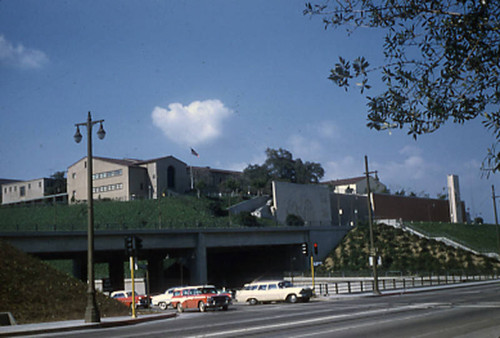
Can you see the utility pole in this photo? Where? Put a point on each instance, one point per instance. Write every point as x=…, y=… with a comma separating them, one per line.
x=496, y=216
x=373, y=251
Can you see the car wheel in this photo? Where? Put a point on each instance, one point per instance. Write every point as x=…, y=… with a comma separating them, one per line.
x=224, y=308
x=202, y=307
x=179, y=307
x=162, y=305
x=291, y=298
x=252, y=301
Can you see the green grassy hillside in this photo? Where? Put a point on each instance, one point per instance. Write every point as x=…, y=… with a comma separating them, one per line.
x=35, y=292
x=404, y=253
x=170, y=212
x=482, y=238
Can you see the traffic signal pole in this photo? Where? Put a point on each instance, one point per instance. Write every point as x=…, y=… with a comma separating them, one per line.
x=133, y=245
x=132, y=268
x=312, y=270
x=309, y=253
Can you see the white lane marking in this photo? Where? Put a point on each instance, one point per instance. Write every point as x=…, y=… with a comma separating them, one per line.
x=316, y=320
x=357, y=325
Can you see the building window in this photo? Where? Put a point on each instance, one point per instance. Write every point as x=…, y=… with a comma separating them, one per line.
x=73, y=175
x=107, y=174
x=39, y=184
x=22, y=191
x=29, y=186
x=171, y=177
x=109, y=187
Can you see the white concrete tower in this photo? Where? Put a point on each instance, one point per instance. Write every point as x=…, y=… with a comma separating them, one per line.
x=456, y=215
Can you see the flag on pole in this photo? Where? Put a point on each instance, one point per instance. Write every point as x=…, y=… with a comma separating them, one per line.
x=194, y=152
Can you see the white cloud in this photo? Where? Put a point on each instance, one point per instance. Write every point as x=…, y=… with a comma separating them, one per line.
x=411, y=150
x=307, y=149
x=343, y=168
x=310, y=144
x=194, y=124
x=412, y=166
x=328, y=130
x=412, y=171
x=20, y=56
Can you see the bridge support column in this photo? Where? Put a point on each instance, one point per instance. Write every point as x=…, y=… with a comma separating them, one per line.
x=199, y=264
x=116, y=273
x=155, y=269
x=80, y=268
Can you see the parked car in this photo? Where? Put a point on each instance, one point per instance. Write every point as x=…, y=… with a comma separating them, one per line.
x=273, y=291
x=163, y=300
x=202, y=297
x=126, y=298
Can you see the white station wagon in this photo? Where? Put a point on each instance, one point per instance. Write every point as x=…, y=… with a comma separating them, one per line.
x=163, y=299
x=273, y=291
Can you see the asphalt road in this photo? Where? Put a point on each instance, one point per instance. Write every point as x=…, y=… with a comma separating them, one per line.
x=459, y=312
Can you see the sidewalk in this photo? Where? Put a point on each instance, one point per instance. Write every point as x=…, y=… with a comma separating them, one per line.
x=71, y=325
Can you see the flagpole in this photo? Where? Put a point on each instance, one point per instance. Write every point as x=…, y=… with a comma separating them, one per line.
x=193, y=152
x=191, y=174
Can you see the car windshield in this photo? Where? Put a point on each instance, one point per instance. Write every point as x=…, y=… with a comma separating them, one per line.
x=208, y=290
x=285, y=284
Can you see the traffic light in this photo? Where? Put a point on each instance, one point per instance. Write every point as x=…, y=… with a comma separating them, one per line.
x=315, y=245
x=305, y=249
x=133, y=245
x=129, y=245
x=137, y=244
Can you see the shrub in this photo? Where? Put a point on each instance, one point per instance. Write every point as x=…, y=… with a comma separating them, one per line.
x=216, y=209
x=245, y=218
x=294, y=220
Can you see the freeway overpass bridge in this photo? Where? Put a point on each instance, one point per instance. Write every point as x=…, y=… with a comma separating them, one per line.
x=222, y=256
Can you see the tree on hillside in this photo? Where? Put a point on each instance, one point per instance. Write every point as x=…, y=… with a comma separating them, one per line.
x=200, y=186
x=281, y=166
x=257, y=177
x=442, y=63
x=58, y=183
x=230, y=185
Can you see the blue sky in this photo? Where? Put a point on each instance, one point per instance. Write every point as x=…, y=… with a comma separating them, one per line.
x=228, y=78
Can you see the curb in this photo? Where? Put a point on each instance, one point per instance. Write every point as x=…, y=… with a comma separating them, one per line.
x=84, y=326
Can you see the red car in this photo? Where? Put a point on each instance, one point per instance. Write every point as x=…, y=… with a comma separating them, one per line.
x=201, y=297
x=126, y=298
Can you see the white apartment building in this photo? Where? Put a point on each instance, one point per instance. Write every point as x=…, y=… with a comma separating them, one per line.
x=356, y=185
x=127, y=179
x=25, y=191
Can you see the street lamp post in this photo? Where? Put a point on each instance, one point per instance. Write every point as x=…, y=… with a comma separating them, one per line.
x=91, y=311
x=373, y=252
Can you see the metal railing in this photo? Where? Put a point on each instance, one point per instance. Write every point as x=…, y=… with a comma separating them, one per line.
x=327, y=286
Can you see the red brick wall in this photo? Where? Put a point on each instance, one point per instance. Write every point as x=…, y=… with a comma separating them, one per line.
x=410, y=208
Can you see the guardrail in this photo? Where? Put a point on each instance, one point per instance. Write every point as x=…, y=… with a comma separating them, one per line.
x=326, y=286
x=444, y=238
